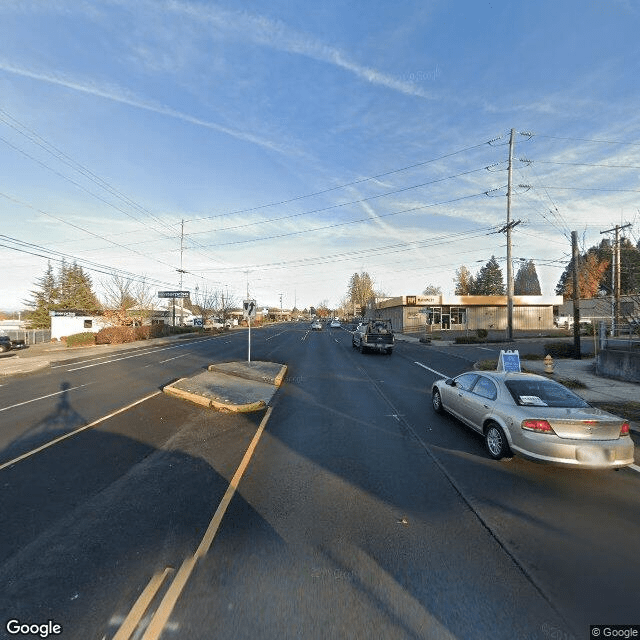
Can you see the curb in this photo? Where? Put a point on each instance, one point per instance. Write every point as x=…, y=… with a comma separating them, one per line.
x=210, y=387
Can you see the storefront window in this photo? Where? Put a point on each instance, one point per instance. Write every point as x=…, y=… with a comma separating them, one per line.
x=434, y=315
x=458, y=316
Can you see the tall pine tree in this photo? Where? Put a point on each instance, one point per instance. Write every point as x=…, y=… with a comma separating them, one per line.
x=526, y=282
x=489, y=281
x=71, y=289
x=43, y=300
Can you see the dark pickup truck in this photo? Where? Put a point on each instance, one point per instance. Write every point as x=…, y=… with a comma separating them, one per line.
x=7, y=344
x=374, y=335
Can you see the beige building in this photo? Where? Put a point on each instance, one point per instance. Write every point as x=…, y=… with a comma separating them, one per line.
x=414, y=313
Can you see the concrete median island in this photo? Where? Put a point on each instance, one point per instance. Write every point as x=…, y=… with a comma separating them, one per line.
x=231, y=386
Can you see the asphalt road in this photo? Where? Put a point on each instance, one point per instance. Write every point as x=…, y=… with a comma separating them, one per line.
x=360, y=514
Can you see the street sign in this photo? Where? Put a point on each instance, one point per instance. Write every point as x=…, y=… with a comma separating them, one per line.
x=509, y=361
x=197, y=322
x=173, y=294
x=249, y=308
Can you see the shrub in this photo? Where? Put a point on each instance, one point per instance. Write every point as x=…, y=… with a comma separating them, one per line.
x=81, y=339
x=467, y=340
x=559, y=349
x=482, y=334
x=116, y=335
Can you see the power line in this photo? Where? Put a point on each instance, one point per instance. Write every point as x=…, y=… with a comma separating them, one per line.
x=541, y=135
x=586, y=164
x=359, y=220
x=43, y=252
x=341, y=186
x=341, y=204
x=357, y=254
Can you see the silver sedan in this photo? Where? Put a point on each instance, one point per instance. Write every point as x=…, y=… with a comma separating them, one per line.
x=535, y=417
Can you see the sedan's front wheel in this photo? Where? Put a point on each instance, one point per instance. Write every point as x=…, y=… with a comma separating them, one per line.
x=436, y=401
x=496, y=442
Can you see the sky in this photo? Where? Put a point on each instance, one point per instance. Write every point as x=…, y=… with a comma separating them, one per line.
x=274, y=149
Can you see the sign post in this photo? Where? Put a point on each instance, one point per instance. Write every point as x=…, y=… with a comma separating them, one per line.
x=249, y=311
x=174, y=295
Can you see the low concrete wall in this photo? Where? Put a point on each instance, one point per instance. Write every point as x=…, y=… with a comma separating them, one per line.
x=621, y=365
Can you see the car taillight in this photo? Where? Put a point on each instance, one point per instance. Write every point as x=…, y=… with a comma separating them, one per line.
x=539, y=426
x=624, y=430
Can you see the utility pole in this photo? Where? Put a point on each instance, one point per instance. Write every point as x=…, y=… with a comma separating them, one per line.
x=181, y=271
x=576, y=296
x=507, y=229
x=615, y=278
x=280, y=307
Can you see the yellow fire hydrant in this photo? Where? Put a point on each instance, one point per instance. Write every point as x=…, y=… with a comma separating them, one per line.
x=548, y=364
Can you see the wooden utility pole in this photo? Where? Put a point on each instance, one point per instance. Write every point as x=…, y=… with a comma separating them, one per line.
x=509, y=262
x=576, y=295
x=507, y=229
x=615, y=277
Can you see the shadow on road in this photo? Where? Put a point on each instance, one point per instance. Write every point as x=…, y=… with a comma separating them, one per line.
x=87, y=522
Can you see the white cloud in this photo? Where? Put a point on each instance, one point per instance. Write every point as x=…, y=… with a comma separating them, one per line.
x=275, y=34
x=118, y=94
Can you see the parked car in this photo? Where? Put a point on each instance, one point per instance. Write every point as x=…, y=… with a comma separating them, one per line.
x=564, y=322
x=5, y=344
x=335, y=324
x=534, y=417
x=316, y=325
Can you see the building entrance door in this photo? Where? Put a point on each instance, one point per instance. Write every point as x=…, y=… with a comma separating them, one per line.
x=445, y=321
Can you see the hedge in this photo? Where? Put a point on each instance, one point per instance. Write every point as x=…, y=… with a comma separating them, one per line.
x=81, y=339
x=560, y=349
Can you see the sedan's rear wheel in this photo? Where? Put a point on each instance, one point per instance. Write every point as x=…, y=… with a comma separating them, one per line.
x=436, y=401
x=496, y=441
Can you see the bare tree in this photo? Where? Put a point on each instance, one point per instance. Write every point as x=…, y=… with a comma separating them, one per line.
x=206, y=303
x=144, y=298
x=227, y=303
x=119, y=301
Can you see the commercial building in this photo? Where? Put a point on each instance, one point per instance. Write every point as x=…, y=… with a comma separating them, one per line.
x=415, y=313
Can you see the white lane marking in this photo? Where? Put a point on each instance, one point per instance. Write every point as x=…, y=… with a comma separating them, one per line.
x=73, y=433
x=635, y=467
x=49, y=395
x=424, y=366
x=134, y=355
x=275, y=335
x=97, y=358
x=174, y=358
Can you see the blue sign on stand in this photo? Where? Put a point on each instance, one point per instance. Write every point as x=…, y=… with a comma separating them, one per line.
x=509, y=361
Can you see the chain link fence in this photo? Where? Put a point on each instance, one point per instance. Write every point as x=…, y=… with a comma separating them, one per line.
x=30, y=336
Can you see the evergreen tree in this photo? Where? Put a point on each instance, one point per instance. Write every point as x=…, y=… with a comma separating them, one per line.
x=43, y=300
x=490, y=281
x=526, y=282
x=76, y=290
x=71, y=289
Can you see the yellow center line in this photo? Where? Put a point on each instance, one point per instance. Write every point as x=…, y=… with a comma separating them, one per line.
x=168, y=603
x=142, y=604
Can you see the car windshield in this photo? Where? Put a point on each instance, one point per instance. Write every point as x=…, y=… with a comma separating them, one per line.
x=543, y=393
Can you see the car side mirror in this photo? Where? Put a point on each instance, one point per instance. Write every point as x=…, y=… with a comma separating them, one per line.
x=451, y=382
